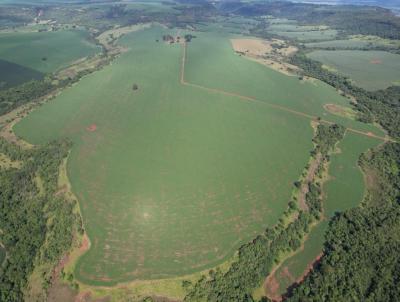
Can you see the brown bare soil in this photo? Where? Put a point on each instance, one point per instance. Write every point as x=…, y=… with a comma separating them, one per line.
x=252, y=46
x=60, y=292
x=263, y=52
x=271, y=286
x=287, y=274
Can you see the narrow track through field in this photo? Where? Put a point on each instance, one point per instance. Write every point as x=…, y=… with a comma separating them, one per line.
x=268, y=103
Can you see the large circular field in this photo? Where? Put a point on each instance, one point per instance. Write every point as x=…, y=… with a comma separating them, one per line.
x=172, y=177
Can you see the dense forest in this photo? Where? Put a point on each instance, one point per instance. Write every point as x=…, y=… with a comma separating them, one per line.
x=361, y=261
x=258, y=257
x=36, y=222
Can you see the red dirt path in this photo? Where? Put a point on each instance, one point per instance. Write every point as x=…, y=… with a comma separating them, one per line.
x=271, y=286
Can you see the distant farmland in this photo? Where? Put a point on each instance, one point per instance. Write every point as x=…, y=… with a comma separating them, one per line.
x=290, y=29
x=371, y=70
x=30, y=55
x=174, y=175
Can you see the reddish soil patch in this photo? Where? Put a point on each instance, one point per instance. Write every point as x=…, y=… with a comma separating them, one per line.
x=60, y=292
x=85, y=244
x=287, y=274
x=376, y=61
x=91, y=128
x=271, y=287
x=370, y=134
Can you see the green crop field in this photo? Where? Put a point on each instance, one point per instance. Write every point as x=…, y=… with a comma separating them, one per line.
x=370, y=70
x=173, y=177
x=30, y=55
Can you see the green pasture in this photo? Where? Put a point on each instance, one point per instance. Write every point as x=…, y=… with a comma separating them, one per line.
x=171, y=178
x=371, y=70
x=308, y=35
x=30, y=55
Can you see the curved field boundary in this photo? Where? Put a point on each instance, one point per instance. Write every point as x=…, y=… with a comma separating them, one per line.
x=268, y=103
